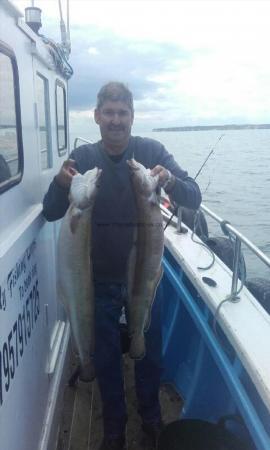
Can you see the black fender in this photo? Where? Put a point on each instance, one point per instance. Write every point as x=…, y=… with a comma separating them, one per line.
x=260, y=288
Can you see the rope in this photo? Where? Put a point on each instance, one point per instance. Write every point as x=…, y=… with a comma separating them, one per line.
x=193, y=234
x=59, y=57
x=196, y=226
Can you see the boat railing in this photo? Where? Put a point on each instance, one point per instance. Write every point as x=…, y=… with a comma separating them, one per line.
x=78, y=139
x=237, y=238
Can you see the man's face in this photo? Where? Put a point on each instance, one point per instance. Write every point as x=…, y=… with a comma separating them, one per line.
x=115, y=120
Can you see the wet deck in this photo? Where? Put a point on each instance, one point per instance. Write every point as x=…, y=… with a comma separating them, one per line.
x=81, y=427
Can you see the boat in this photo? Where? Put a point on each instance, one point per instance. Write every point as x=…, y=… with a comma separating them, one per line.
x=216, y=328
x=35, y=335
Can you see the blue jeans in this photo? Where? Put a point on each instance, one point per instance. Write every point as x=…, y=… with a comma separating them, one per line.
x=109, y=301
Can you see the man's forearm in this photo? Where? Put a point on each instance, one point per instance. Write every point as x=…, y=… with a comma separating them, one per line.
x=55, y=203
x=185, y=193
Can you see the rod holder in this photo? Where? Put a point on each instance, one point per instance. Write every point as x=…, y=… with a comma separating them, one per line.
x=180, y=229
x=236, y=260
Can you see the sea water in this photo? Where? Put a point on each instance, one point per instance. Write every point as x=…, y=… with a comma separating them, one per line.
x=235, y=182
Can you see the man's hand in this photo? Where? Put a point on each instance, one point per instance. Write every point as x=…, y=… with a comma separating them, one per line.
x=66, y=173
x=163, y=174
x=165, y=178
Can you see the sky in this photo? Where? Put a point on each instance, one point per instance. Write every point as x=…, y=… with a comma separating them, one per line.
x=187, y=62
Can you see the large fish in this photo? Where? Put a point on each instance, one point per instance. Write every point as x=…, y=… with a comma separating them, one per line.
x=75, y=287
x=144, y=268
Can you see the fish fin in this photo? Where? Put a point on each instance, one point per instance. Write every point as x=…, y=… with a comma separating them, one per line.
x=137, y=346
x=131, y=264
x=158, y=280
x=74, y=219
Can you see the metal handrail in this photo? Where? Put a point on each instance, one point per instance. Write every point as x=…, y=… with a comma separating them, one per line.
x=239, y=238
x=238, y=235
x=81, y=139
x=227, y=226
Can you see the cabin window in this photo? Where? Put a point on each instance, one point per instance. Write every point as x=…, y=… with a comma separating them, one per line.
x=44, y=121
x=61, y=117
x=11, y=151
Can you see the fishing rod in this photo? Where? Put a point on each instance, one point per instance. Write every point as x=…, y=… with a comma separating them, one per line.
x=208, y=156
x=197, y=174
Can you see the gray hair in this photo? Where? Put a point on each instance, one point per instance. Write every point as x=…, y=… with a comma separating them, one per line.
x=115, y=91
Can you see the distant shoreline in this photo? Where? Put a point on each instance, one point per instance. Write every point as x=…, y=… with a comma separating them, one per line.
x=215, y=127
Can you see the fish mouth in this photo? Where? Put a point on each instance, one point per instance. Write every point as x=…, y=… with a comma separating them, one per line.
x=132, y=164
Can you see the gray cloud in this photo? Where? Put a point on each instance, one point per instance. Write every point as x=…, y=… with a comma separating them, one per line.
x=117, y=58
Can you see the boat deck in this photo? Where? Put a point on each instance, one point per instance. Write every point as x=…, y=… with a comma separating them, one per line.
x=81, y=427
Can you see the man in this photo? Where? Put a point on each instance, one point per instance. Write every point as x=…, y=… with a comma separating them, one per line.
x=114, y=211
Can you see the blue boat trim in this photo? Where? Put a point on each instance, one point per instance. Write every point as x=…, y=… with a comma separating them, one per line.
x=230, y=371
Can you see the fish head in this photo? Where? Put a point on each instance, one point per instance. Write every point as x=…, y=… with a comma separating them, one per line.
x=144, y=183
x=84, y=188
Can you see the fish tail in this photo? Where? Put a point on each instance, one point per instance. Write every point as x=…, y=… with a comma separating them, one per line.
x=137, y=346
